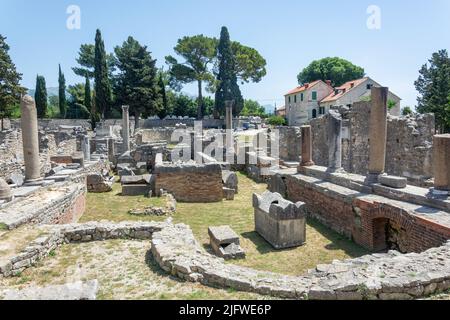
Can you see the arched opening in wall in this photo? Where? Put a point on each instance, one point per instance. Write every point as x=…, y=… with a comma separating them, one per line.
x=314, y=113
x=389, y=235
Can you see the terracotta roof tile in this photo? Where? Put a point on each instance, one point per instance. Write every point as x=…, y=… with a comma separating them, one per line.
x=346, y=87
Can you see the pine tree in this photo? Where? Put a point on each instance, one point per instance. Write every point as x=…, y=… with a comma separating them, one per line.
x=87, y=94
x=136, y=83
x=40, y=97
x=62, y=94
x=433, y=86
x=102, y=85
x=228, y=88
x=10, y=89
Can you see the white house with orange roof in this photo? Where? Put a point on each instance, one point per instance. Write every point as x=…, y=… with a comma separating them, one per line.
x=303, y=103
x=355, y=91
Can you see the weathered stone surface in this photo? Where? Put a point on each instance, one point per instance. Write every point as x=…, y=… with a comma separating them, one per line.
x=225, y=242
x=70, y=291
x=5, y=191
x=228, y=194
x=136, y=189
x=281, y=222
x=142, y=179
x=392, y=181
x=97, y=183
x=230, y=180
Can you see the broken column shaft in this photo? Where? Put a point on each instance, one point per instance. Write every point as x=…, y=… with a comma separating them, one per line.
x=126, y=128
x=377, y=133
x=307, y=159
x=334, y=141
x=29, y=124
x=441, y=158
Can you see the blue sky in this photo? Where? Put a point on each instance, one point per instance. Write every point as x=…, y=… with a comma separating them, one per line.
x=288, y=33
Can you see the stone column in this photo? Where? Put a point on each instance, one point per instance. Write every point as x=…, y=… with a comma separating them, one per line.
x=377, y=134
x=126, y=128
x=334, y=132
x=441, y=162
x=307, y=159
x=29, y=124
x=86, y=148
x=229, y=133
x=111, y=151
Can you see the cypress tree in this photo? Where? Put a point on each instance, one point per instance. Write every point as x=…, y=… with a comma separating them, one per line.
x=87, y=94
x=40, y=97
x=102, y=84
x=62, y=94
x=228, y=88
x=162, y=90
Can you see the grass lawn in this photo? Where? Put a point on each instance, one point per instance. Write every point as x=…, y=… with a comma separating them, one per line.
x=323, y=245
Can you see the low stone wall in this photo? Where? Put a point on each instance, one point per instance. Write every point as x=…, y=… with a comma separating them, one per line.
x=409, y=143
x=377, y=276
x=61, y=203
x=190, y=182
x=146, y=136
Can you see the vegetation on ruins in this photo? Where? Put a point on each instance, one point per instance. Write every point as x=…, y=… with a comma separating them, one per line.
x=40, y=97
x=198, y=53
x=407, y=111
x=227, y=87
x=62, y=94
x=433, y=86
x=337, y=70
x=103, y=94
x=10, y=89
x=136, y=84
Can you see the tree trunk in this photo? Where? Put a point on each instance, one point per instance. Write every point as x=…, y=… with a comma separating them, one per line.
x=200, y=101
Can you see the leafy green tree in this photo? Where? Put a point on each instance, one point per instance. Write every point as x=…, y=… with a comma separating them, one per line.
x=76, y=93
x=338, y=70
x=433, y=86
x=86, y=61
x=198, y=53
x=40, y=97
x=76, y=102
x=53, y=107
x=253, y=108
x=10, y=89
x=184, y=106
x=62, y=94
x=103, y=97
x=137, y=83
x=227, y=88
x=407, y=111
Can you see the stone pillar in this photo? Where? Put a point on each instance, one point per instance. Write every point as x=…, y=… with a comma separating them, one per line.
x=126, y=128
x=229, y=132
x=86, y=148
x=307, y=159
x=29, y=124
x=334, y=131
x=377, y=134
x=111, y=151
x=5, y=191
x=441, y=162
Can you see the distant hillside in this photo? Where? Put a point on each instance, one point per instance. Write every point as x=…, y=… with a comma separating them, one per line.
x=50, y=92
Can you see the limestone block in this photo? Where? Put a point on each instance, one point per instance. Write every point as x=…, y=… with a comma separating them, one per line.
x=393, y=181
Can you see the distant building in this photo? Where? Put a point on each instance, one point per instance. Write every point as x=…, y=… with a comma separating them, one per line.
x=315, y=99
x=280, y=112
x=302, y=103
x=358, y=90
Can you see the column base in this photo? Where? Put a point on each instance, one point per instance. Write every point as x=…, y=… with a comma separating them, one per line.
x=372, y=178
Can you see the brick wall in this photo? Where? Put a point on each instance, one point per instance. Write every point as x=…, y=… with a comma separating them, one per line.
x=364, y=220
x=191, y=182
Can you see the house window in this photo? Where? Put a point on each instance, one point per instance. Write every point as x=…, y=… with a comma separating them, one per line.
x=302, y=97
x=289, y=98
x=369, y=86
x=314, y=113
x=314, y=95
x=321, y=110
x=295, y=99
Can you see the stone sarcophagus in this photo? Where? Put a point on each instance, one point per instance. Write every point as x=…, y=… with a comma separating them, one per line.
x=281, y=222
